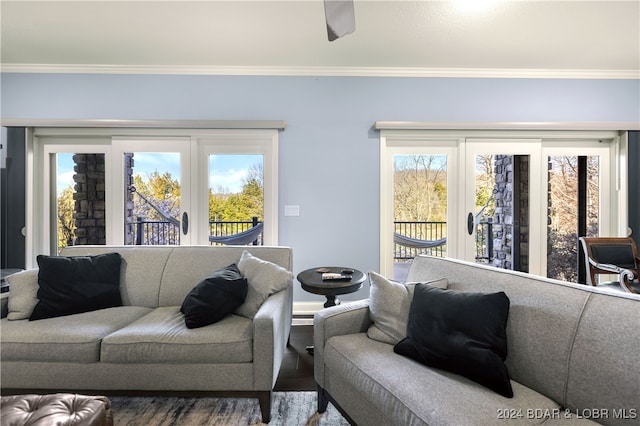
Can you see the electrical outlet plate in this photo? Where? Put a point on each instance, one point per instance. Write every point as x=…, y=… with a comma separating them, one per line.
x=292, y=210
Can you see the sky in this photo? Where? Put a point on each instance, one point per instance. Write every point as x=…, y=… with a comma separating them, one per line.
x=225, y=171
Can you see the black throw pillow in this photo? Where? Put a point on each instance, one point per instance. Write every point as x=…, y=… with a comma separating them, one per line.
x=215, y=297
x=464, y=333
x=76, y=284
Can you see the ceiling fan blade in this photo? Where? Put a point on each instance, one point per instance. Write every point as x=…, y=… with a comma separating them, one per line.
x=340, y=17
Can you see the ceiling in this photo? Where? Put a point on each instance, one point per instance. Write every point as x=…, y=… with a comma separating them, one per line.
x=574, y=39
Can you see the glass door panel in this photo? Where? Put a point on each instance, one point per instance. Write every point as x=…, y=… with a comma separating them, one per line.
x=419, y=208
x=501, y=215
x=578, y=204
x=419, y=190
x=485, y=206
x=236, y=199
x=152, y=176
x=499, y=219
x=78, y=205
x=152, y=198
x=237, y=184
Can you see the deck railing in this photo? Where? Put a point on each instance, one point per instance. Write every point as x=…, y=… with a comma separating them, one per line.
x=162, y=232
x=420, y=231
x=432, y=231
x=158, y=232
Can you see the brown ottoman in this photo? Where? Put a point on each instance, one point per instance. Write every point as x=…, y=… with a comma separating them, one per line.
x=56, y=409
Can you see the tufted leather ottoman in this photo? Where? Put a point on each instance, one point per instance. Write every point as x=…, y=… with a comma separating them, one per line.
x=56, y=409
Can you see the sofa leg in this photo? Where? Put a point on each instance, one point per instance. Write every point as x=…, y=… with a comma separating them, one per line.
x=265, y=399
x=323, y=400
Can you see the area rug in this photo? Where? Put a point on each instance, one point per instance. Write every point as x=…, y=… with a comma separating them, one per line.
x=289, y=408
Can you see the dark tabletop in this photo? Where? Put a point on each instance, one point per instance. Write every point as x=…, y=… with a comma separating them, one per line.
x=312, y=281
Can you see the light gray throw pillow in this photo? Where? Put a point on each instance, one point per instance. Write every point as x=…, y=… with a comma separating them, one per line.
x=23, y=294
x=389, y=303
x=264, y=278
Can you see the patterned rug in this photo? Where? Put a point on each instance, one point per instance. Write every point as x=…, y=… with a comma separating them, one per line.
x=289, y=408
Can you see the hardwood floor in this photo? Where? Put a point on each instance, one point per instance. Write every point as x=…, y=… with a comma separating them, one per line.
x=296, y=372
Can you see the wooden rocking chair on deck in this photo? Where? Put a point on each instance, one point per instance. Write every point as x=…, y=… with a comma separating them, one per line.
x=612, y=255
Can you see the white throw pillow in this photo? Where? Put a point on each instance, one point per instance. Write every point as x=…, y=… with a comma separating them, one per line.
x=264, y=278
x=389, y=303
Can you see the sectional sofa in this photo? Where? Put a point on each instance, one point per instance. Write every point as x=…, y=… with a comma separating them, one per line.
x=573, y=355
x=144, y=346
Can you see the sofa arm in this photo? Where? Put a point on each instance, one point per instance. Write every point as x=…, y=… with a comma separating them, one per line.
x=347, y=318
x=271, y=329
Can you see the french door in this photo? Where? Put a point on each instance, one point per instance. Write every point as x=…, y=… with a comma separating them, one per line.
x=501, y=177
x=581, y=201
x=64, y=189
x=504, y=195
x=152, y=186
x=418, y=200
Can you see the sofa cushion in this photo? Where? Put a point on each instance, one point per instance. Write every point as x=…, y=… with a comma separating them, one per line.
x=389, y=304
x=265, y=278
x=365, y=375
x=215, y=297
x=69, y=338
x=142, y=270
x=162, y=337
x=72, y=285
x=464, y=333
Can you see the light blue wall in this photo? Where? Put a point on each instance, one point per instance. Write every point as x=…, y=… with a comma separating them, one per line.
x=328, y=152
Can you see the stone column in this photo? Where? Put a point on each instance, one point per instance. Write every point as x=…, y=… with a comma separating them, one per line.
x=129, y=234
x=89, y=199
x=511, y=217
x=523, y=209
x=503, y=216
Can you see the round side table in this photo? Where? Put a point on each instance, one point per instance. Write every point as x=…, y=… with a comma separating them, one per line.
x=311, y=281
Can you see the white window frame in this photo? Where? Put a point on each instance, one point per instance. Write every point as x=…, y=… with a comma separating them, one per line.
x=610, y=194
x=240, y=142
x=170, y=144
x=44, y=141
x=530, y=147
x=391, y=144
x=395, y=139
x=42, y=184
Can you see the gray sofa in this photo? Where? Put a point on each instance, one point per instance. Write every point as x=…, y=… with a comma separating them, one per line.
x=144, y=345
x=573, y=358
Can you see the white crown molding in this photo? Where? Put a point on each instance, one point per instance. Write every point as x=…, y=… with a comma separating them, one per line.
x=321, y=71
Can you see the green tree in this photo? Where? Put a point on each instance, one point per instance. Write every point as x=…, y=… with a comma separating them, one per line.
x=159, y=192
x=252, y=198
x=485, y=184
x=216, y=205
x=420, y=191
x=243, y=206
x=66, y=221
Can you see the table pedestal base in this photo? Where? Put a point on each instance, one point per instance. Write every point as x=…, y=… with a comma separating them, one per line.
x=332, y=300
